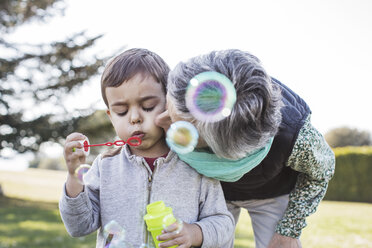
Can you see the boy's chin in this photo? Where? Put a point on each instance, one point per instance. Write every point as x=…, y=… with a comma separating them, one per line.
x=150, y=150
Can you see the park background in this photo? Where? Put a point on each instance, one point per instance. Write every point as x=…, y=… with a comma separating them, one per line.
x=51, y=57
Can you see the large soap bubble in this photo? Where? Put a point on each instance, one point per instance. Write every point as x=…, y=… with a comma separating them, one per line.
x=210, y=96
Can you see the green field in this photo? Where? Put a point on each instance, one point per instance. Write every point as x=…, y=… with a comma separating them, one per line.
x=29, y=217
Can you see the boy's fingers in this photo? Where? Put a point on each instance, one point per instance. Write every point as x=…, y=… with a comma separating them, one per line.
x=74, y=160
x=73, y=144
x=172, y=242
x=72, y=147
x=78, y=154
x=75, y=136
x=174, y=227
x=167, y=235
x=76, y=157
x=183, y=246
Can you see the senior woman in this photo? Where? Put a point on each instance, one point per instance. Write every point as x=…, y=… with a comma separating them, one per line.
x=266, y=153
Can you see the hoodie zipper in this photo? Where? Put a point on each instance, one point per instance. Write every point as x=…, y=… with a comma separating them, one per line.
x=149, y=187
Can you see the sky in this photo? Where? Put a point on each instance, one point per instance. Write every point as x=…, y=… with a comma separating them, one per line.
x=321, y=49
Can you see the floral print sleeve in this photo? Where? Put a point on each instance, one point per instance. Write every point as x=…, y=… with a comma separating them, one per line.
x=314, y=159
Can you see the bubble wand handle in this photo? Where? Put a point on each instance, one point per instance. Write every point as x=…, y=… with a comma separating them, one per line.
x=105, y=144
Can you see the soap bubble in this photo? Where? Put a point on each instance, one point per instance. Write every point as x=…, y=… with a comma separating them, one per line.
x=210, y=96
x=114, y=229
x=182, y=137
x=118, y=244
x=169, y=220
x=81, y=171
x=144, y=246
x=114, y=235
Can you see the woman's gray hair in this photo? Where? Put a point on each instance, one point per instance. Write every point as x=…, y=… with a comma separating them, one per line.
x=255, y=117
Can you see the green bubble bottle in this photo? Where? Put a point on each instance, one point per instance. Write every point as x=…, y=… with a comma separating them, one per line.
x=155, y=219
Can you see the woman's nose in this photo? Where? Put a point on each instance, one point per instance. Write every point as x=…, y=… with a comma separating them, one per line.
x=163, y=120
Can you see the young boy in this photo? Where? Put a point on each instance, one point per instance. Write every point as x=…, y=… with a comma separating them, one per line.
x=120, y=184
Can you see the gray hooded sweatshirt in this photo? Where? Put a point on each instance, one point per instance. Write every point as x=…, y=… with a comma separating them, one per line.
x=118, y=188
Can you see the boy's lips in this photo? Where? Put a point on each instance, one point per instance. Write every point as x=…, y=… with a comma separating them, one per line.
x=138, y=134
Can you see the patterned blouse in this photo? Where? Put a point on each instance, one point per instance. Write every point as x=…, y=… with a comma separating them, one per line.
x=315, y=161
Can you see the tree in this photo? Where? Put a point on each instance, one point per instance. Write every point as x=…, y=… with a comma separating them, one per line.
x=345, y=136
x=33, y=76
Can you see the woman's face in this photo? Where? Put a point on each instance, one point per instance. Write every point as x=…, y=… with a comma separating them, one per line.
x=172, y=113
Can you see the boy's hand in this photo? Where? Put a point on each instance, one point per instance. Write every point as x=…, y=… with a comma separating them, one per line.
x=74, y=157
x=189, y=235
x=73, y=153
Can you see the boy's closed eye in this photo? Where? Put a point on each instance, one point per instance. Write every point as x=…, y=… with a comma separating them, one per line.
x=149, y=104
x=120, y=110
x=122, y=113
x=147, y=109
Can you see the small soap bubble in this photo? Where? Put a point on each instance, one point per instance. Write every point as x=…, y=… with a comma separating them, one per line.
x=81, y=171
x=113, y=228
x=118, y=244
x=210, y=96
x=169, y=220
x=115, y=235
x=182, y=137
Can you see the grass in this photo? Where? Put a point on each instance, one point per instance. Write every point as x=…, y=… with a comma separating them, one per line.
x=33, y=184
x=30, y=224
x=334, y=225
x=29, y=217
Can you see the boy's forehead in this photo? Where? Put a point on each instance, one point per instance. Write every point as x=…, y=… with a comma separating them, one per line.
x=135, y=90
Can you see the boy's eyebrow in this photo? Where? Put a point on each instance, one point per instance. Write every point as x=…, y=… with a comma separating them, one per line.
x=142, y=99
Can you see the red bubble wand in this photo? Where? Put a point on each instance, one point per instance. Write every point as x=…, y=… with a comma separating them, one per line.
x=132, y=141
x=83, y=168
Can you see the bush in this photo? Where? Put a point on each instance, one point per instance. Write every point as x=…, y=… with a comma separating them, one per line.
x=353, y=177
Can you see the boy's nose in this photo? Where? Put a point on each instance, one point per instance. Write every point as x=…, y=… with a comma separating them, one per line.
x=135, y=121
x=135, y=117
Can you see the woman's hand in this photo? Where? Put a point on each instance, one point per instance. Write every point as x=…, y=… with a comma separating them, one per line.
x=163, y=120
x=189, y=235
x=280, y=241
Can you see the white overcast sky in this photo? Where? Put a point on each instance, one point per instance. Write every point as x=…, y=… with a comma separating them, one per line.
x=321, y=49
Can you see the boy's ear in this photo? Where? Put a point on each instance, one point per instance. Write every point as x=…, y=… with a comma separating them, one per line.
x=108, y=113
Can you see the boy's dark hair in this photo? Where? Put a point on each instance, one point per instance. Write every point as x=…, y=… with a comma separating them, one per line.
x=131, y=62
